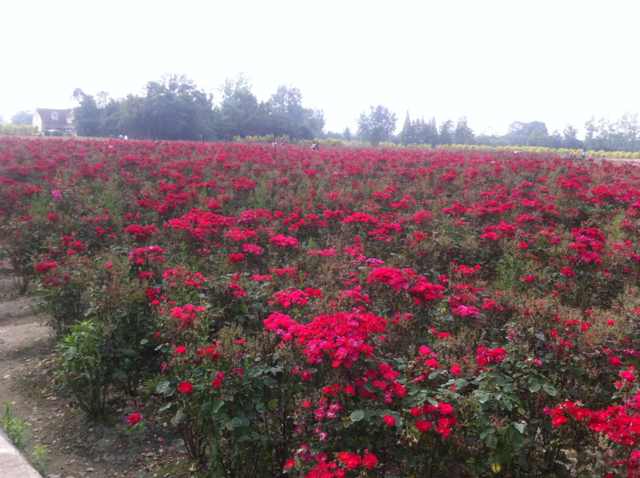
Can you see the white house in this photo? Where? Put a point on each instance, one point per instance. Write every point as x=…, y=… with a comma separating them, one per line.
x=54, y=122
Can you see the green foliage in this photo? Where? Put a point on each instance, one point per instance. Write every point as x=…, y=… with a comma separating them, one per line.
x=239, y=111
x=445, y=133
x=175, y=108
x=19, y=432
x=15, y=427
x=463, y=134
x=509, y=269
x=620, y=135
x=290, y=118
x=17, y=130
x=23, y=241
x=528, y=134
x=419, y=132
x=84, y=368
x=87, y=115
x=245, y=427
x=119, y=306
x=63, y=301
x=23, y=118
x=111, y=349
x=39, y=458
x=377, y=125
x=514, y=432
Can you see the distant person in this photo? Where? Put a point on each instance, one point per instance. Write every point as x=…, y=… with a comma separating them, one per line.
x=315, y=146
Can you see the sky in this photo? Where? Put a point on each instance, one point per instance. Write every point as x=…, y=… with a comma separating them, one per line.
x=491, y=61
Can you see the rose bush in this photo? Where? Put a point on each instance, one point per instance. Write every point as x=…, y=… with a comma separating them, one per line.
x=343, y=312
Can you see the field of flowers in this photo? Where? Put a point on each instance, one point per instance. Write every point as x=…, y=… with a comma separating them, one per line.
x=342, y=312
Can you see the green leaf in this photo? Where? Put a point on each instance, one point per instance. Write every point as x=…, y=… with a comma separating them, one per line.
x=357, y=415
x=236, y=422
x=178, y=418
x=483, y=397
x=163, y=388
x=217, y=406
x=550, y=389
x=520, y=426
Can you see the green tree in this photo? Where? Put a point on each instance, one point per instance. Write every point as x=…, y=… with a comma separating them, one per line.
x=113, y=119
x=554, y=140
x=463, y=134
x=492, y=140
x=628, y=132
x=590, y=129
x=533, y=133
x=445, y=135
x=288, y=117
x=408, y=132
x=22, y=117
x=172, y=108
x=376, y=126
x=239, y=113
x=86, y=115
x=175, y=108
x=425, y=132
x=570, y=138
x=286, y=114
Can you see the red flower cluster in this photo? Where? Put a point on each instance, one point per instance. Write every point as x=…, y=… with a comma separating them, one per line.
x=382, y=298
x=486, y=356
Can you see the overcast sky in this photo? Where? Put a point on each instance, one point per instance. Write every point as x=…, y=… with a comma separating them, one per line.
x=493, y=61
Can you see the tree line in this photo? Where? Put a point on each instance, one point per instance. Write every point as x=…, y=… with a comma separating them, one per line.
x=379, y=123
x=176, y=108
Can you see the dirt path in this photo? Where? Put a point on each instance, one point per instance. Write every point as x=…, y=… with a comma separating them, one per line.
x=76, y=448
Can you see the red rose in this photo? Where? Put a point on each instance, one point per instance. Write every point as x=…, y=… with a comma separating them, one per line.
x=350, y=460
x=185, y=387
x=46, y=266
x=456, y=370
x=369, y=460
x=389, y=420
x=134, y=418
x=424, y=425
x=217, y=381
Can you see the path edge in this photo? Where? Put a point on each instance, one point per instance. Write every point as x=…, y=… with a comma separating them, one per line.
x=13, y=464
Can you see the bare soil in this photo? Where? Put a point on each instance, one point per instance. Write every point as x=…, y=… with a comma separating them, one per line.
x=76, y=447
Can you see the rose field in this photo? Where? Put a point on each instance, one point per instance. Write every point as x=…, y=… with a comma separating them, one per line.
x=341, y=312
